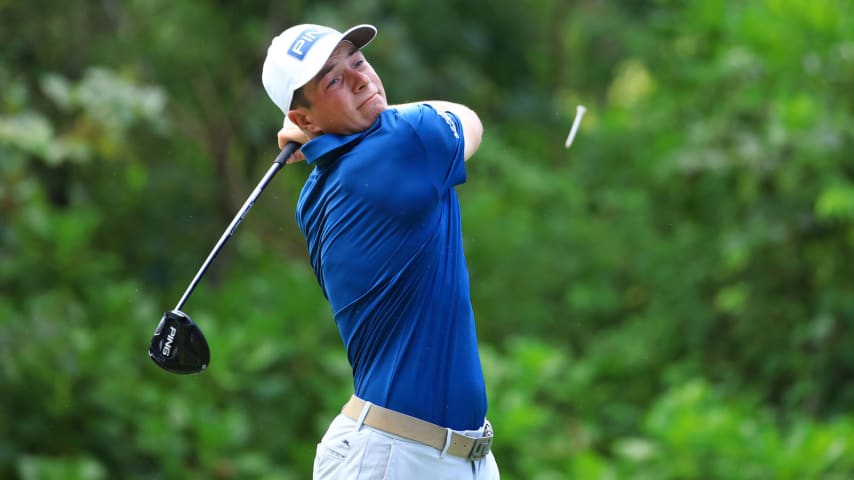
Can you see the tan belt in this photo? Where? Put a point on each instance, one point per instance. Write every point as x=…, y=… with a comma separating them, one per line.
x=420, y=431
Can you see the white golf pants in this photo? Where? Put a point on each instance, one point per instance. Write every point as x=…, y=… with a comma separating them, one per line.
x=350, y=451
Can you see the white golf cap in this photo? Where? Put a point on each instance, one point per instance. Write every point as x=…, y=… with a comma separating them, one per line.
x=296, y=55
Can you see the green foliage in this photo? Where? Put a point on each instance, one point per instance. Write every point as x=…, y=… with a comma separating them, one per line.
x=668, y=299
x=690, y=430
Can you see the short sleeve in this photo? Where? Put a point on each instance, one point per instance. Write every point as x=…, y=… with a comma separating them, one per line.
x=441, y=135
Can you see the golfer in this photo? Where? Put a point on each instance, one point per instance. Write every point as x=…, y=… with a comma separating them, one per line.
x=381, y=220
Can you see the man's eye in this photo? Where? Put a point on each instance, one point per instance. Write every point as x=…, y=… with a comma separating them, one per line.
x=332, y=82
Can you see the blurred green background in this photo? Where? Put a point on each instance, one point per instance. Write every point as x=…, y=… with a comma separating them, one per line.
x=670, y=298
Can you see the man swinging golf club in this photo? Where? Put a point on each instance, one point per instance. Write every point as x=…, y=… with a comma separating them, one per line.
x=381, y=220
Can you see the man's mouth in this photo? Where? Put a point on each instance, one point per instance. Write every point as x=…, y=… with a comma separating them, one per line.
x=367, y=100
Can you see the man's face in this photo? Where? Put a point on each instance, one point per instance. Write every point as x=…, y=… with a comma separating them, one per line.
x=346, y=96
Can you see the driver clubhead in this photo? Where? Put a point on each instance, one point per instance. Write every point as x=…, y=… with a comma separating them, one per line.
x=178, y=345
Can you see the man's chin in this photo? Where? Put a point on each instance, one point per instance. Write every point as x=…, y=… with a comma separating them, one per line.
x=374, y=108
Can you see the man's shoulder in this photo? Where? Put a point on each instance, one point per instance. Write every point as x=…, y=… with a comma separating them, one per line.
x=418, y=114
x=409, y=111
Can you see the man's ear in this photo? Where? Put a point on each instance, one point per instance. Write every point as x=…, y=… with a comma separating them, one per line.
x=302, y=118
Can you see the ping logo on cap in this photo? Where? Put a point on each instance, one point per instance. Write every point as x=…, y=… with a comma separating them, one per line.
x=305, y=40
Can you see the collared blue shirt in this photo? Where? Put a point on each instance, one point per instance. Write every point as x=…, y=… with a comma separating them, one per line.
x=382, y=224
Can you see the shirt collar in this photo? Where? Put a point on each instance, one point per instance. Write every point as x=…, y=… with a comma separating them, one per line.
x=329, y=146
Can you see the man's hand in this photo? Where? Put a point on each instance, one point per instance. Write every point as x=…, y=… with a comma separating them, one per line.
x=292, y=133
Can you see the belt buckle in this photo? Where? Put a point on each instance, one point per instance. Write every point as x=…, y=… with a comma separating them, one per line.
x=480, y=448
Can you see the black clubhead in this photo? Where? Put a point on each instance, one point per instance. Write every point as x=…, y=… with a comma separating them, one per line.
x=178, y=345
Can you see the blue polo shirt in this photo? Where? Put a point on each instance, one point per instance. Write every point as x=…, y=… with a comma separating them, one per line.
x=382, y=223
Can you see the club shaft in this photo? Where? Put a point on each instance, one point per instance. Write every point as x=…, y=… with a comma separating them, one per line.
x=277, y=165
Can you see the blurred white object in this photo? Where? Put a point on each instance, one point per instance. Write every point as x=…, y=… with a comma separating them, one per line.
x=579, y=112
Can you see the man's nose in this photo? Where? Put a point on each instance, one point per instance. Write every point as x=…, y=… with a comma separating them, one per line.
x=360, y=80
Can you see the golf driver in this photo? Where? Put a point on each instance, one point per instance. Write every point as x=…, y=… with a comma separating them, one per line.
x=178, y=345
